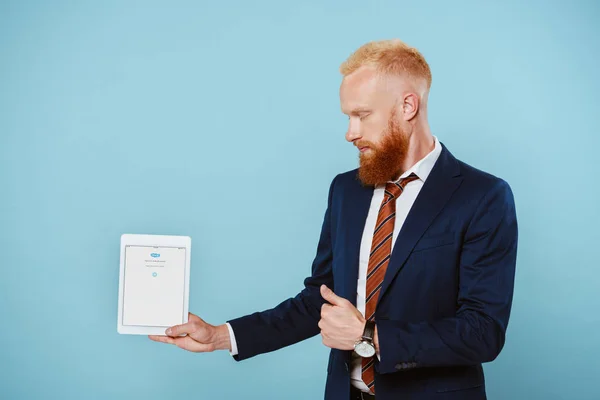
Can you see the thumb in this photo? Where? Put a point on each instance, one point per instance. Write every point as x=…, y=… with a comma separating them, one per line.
x=331, y=297
x=194, y=324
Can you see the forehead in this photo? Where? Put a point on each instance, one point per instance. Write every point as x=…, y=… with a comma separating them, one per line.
x=361, y=89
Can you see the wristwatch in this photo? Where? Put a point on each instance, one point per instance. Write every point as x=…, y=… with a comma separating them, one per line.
x=365, y=347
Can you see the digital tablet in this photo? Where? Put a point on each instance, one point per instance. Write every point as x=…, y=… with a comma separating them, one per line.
x=154, y=283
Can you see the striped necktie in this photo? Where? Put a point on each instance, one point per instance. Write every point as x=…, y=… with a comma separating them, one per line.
x=381, y=251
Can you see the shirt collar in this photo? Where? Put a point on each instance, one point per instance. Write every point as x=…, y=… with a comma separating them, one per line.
x=424, y=166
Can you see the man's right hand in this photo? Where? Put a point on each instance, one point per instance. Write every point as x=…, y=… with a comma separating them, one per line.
x=200, y=337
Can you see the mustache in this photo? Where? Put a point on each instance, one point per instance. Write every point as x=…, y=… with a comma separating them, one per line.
x=364, y=143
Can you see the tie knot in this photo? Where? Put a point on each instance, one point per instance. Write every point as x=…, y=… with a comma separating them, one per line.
x=394, y=189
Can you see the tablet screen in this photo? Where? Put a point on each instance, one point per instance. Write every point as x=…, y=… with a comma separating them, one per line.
x=154, y=286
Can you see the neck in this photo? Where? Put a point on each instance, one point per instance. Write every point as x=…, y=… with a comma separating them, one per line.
x=420, y=144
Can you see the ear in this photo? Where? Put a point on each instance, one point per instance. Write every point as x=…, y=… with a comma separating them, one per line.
x=410, y=106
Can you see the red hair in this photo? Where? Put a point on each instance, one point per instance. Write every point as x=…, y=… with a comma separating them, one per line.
x=392, y=57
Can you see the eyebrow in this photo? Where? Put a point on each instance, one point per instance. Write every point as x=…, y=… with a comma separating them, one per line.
x=360, y=110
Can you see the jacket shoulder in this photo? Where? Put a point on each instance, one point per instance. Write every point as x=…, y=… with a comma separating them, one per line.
x=482, y=181
x=348, y=178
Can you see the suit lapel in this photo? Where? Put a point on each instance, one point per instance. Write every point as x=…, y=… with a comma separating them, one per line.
x=441, y=183
x=356, y=209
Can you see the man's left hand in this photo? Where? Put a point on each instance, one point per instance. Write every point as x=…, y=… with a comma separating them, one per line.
x=341, y=323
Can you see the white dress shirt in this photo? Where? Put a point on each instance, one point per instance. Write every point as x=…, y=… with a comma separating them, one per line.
x=403, y=205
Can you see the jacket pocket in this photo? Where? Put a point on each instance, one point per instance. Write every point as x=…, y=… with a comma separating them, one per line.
x=430, y=242
x=457, y=379
x=459, y=388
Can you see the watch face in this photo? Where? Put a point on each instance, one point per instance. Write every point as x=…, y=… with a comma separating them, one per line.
x=364, y=349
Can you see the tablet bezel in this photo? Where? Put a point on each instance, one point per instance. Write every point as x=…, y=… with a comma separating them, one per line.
x=129, y=239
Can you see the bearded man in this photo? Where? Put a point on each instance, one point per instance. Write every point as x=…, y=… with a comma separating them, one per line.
x=412, y=282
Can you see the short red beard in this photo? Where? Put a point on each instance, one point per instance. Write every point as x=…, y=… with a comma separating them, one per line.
x=385, y=160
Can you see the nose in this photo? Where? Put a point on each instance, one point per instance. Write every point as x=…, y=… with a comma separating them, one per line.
x=353, y=132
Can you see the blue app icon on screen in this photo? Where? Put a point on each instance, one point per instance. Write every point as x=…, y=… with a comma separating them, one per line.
x=154, y=274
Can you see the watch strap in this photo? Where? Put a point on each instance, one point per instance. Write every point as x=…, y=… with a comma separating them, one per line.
x=369, y=330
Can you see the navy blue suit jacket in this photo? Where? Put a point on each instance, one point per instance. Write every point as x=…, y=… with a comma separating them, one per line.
x=446, y=298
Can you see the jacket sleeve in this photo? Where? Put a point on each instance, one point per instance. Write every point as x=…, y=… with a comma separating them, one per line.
x=295, y=319
x=486, y=274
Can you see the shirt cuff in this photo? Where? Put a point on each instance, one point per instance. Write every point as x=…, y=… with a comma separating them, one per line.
x=234, y=349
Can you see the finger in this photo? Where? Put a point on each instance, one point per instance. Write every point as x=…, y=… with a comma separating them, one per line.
x=321, y=324
x=189, y=344
x=162, y=339
x=325, y=340
x=332, y=298
x=325, y=308
x=183, y=329
x=194, y=323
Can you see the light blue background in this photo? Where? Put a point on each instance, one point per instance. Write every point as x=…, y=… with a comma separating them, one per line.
x=220, y=120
